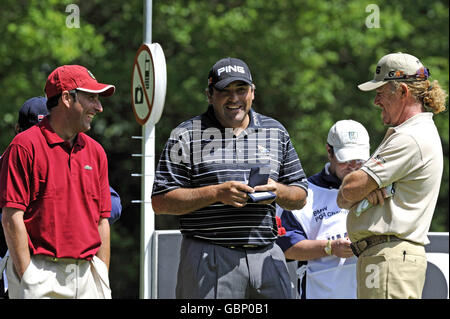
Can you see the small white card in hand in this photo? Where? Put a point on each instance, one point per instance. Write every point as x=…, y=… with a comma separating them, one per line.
x=257, y=178
x=365, y=205
x=260, y=196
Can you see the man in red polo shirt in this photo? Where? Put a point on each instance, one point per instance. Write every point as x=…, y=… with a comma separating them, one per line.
x=55, y=198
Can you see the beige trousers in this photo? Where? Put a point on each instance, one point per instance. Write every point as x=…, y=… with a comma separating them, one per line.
x=63, y=278
x=392, y=270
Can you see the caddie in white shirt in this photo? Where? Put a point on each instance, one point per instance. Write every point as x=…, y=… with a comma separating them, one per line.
x=389, y=237
x=317, y=233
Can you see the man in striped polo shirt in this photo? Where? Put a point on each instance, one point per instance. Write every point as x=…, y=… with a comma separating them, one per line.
x=228, y=248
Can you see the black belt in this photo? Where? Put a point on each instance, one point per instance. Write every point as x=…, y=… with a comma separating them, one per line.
x=244, y=247
x=365, y=243
x=232, y=246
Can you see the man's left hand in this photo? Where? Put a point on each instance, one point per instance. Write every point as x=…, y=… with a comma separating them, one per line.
x=271, y=186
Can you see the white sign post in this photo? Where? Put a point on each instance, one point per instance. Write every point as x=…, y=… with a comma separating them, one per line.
x=149, y=81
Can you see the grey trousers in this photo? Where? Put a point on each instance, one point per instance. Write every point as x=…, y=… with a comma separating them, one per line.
x=209, y=271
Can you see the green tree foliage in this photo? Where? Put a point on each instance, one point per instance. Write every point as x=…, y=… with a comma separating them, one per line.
x=306, y=59
x=35, y=39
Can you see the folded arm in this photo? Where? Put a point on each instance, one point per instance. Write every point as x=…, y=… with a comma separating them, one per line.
x=355, y=187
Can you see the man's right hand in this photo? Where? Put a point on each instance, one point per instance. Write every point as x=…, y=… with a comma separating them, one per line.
x=233, y=193
x=182, y=201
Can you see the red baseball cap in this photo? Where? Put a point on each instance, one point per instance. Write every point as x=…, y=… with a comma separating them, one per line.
x=71, y=77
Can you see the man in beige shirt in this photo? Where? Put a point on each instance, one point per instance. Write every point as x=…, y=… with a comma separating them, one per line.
x=389, y=237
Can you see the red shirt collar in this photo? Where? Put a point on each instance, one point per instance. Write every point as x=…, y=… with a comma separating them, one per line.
x=53, y=138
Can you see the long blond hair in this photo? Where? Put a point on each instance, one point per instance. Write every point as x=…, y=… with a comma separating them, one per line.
x=430, y=94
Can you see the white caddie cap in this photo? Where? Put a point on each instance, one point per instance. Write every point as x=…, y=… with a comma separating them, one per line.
x=396, y=67
x=350, y=141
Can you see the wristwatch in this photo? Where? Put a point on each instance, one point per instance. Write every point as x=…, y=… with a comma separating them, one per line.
x=328, y=248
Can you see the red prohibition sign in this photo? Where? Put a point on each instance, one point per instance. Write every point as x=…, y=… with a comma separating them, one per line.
x=134, y=89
